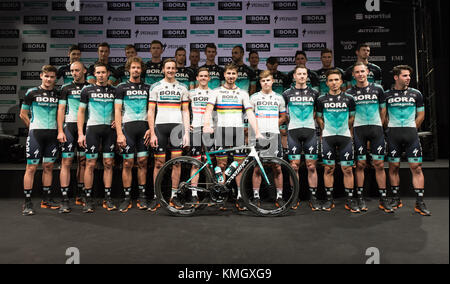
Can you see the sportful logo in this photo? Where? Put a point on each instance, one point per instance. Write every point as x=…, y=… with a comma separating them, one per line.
x=174, y=6
x=146, y=20
x=230, y=6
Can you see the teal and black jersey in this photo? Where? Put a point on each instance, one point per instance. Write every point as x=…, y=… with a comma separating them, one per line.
x=300, y=106
x=336, y=111
x=70, y=98
x=64, y=72
x=43, y=105
x=113, y=76
x=402, y=107
x=216, y=76
x=375, y=75
x=124, y=75
x=134, y=99
x=246, y=78
x=312, y=81
x=153, y=73
x=321, y=73
x=369, y=101
x=258, y=85
x=99, y=101
x=186, y=76
x=280, y=82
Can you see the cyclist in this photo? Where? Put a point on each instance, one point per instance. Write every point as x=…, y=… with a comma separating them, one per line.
x=170, y=129
x=98, y=100
x=215, y=71
x=153, y=68
x=194, y=58
x=369, y=117
x=230, y=101
x=42, y=103
x=130, y=111
x=184, y=75
x=103, y=52
x=68, y=134
x=270, y=112
x=122, y=72
x=406, y=113
x=326, y=56
x=363, y=55
x=253, y=59
x=64, y=71
x=335, y=115
x=300, y=60
x=300, y=102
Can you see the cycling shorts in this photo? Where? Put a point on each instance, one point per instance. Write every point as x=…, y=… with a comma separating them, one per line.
x=97, y=135
x=343, y=144
x=303, y=140
x=170, y=137
x=42, y=143
x=134, y=132
x=373, y=134
x=68, y=147
x=401, y=139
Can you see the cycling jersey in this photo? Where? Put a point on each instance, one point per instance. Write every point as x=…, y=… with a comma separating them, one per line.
x=336, y=111
x=312, y=81
x=43, y=105
x=374, y=76
x=321, y=73
x=185, y=76
x=64, y=72
x=168, y=98
x=153, y=72
x=246, y=78
x=268, y=108
x=70, y=98
x=113, y=76
x=258, y=84
x=300, y=105
x=402, y=107
x=368, y=101
x=99, y=101
x=199, y=100
x=124, y=75
x=134, y=99
x=215, y=74
x=230, y=104
x=280, y=82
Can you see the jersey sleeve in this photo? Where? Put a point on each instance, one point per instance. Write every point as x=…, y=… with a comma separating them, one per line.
x=246, y=101
x=352, y=106
x=63, y=96
x=119, y=95
x=153, y=95
x=84, y=98
x=282, y=105
x=381, y=98
x=212, y=99
x=28, y=99
x=420, y=106
x=185, y=95
x=319, y=107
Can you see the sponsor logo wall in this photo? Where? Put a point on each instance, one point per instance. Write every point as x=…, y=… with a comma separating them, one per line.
x=34, y=33
x=387, y=26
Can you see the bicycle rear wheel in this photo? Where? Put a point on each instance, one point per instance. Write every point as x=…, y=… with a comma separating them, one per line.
x=283, y=181
x=167, y=175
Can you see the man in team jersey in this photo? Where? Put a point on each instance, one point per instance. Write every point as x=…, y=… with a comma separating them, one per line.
x=169, y=100
x=42, y=103
x=253, y=59
x=194, y=58
x=300, y=60
x=122, y=72
x=406, y=112
x=215, y=71
x=369, y=117
x=153, y=68
x=97, y=100
x=270, y=112
x=64, y=71
x=335, y=115
x=68, y=134
x=363, y=55
x=326, y=56
x=103, y=53
x=300, y=103
x=230, y=102
x=130, y=111
x=184, y=75
x=246, y=79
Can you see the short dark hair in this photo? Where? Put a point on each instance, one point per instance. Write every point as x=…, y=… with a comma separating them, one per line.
x=168, y=60
x=194, y=50
x=132, y=60
x=129, y=46
x=253, y=52
x=74, y=47
x=333, y=72
x=301, y=66
x=48, y=69
x=156, y=42
x=358, y=64
x=240, y=48
x=326, y=50
x=100, y=64
x=361, y=45
x=397, y=70
x=231, y=66
x=272, y=60
x=211, y=45
x=298, y=52
x=180, y=49
x=104, y=44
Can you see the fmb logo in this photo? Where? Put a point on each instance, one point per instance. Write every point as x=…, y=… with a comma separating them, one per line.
x=230, y=33
x=200, y=46
x=8, y=89
x=174, y=33
x=63, y=33
x=257, y=20
x=260, y=47
x=202, y=20
x=146, y=20
x=91, y=20
x=34, y=47
x=119, y=6
x=285, y=33
x=9, y=61
x=373, y=5
x=118, y=33
x=174, y=6
x=230, y=6
x=30, y=75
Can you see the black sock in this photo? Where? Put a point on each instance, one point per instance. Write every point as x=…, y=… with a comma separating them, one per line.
x=419, y=192
x=359, y=191
x=383, y=192
x=47, y=191
x=127, y=191
x=65, y=191
x=27, y=195
x=349, y=192
x=141, y=189
x=88, y=192
x=329, y=191
x=395, y=190
x=80, y=187
x=313, y=190
x=107, y=192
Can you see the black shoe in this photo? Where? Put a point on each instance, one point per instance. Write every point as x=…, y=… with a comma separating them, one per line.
x=385, y=205
x=328, y=204
x=109, y=205
x=154, y=205
x=125, y=205
x=396, y=202
x=194, y=201
x=352, y=205
x=88, y=206
x=64, y=207
x=315, y=203
x=176, y=203
x=296, y=205
x=362, y=204
x=257, y=201
x=280, y=203
x=421, y=208
x=240, y=205
x=27, y=209
x=49, y=203
x=142, y=203
x=79, y=201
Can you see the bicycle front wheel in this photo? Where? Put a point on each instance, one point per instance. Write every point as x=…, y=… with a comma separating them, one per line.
x=276, y=198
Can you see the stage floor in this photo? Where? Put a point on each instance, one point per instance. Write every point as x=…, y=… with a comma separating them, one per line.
x=218, y=237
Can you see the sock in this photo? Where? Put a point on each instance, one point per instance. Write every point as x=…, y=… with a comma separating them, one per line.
x=141, y=189
x=88, y=192
x=174, y=192
x=329, y=191
x=127, y=191
x=80, y=186
x=279, y=193
x=47, y=191
x=64, y=191
x=419, y=192
x=395, y=190
x=359, y=191
x=349, y=192
x=256, y=192
x=27, y=195
x=107, y=192
x=313, y=190
x=239, y=192
x=383, y=192
x=194, y=193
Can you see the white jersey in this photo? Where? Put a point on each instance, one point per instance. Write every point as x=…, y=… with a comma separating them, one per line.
x=168, y=98
x=230, y=104
x=199, y=100
x=268, y=108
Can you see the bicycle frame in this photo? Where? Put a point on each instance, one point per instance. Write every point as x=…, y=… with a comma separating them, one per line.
x=253, y=155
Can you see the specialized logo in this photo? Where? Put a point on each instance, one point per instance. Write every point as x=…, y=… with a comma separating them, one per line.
x=118, y=19
x=8, y=89
x=34, y=47
x=63, y=33
x=202, y=20
x=314, y=19
x=91, y=20
x=33, y=61
x=9, y=61
x=119, y=6
x=174, y=33
x=314, y=46
x=118, y=33
x=10, y=6
x=285, y=5
x=174, y=6
x=230, y=6
x=285, y=33
x=261, y=47
x=30, y=75
x=35, y=20
x=145, y=33
x=146, y=20
x=257, y=20
x=230, y=33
